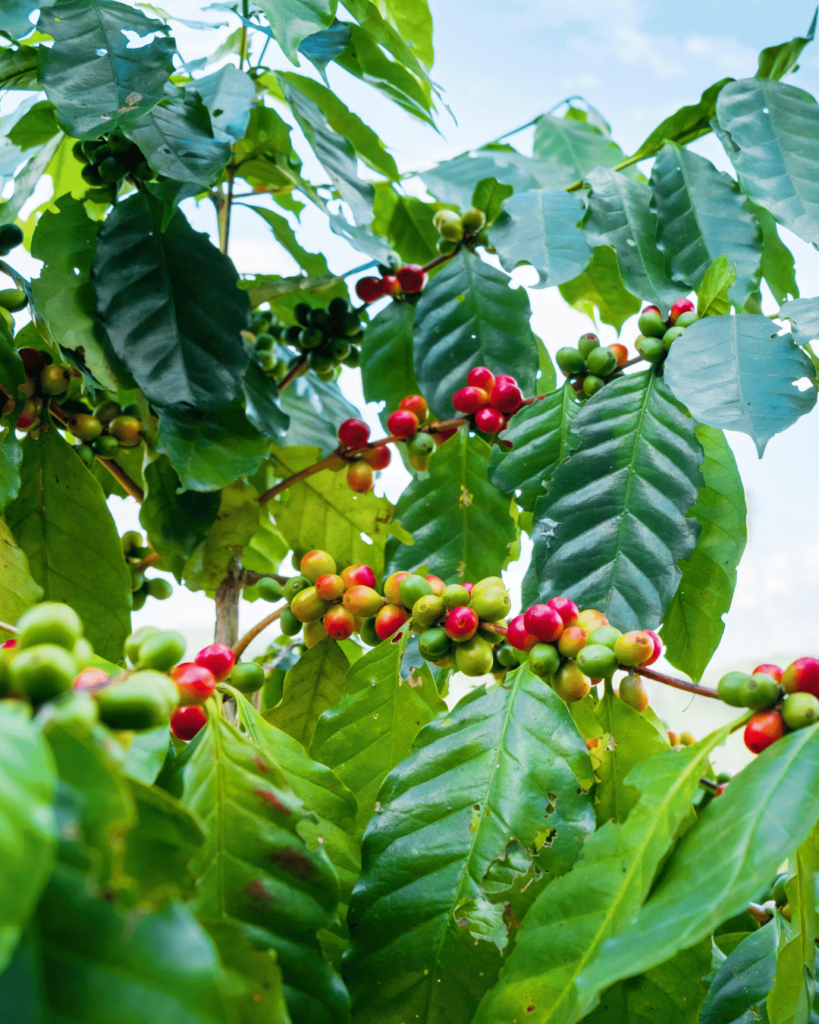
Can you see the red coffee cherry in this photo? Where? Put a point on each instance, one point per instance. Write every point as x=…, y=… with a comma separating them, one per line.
x=544, y=622
x=391, y=285
x=415, y=404
x=378, y=457
x=490, y=421
x=354, y=433
x=470, y=399
x=34, y=361
x=774, y=671
x=362, y=601
x=339, y=623
x=390, y=619
x=218, y=658
x=370, y=289
x=412, y=278
x=194, y=682
x=88, y=678
x=9, y=644
x=565, y=608
x=765, y=728
x=506, y=397
x=402, y=423
x=658, y=646
x=680, y=306
x=329, y=586
x=801, y=676
x=187, y=721
x=519, y=636
x=505, y=378
x=621, y=352
x=437, y=584
x=358, y=576
x=360, y=476
x=461, y=623
x=481, y=377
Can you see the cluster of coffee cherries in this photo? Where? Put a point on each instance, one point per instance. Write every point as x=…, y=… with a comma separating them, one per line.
x=576, y=649
x=590, y=365
x=783, y=700
x=44, y=379
x=489, y=400
x=354, y=435
x=455, y=228
x=657, y=335
x=107, y=161
x=135, y=551
x=406, y=280
x=327, y=337
x=104, y=431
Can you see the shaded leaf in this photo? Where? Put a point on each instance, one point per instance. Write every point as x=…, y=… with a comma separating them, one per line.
x=322, y=47
x=235, y=523
x=744, y=979
x=454, y=181
x=577, y=146
x=778, y=268
x=612, y=525
x=492, y=799
x=11, y=456
x=601, y=287
x=316, y=409
x=146, y=754
x=693, y=625
x=260, y=998
x=261, y=402
x=387, y=369
x=737, y=373
x=294, y=20
x=228, y=94
x=407, y=222
x=18, y=68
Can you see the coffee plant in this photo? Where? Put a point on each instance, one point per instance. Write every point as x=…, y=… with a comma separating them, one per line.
x=315, y=835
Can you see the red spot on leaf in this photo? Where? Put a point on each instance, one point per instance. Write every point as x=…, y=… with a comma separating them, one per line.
x=273, y=800
x=256, y=891
x=261, y=765
x=294, y=862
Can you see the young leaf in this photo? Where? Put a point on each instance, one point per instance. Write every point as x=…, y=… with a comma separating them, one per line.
x=778, y=268
x=372, y=727
x=541, y=227
x=387, y=370
x=539, y=434
x=27, y=821
x=489, y=196
x=576, y=146
x=693, y=626
x=686, y=125
x=612, y=525
x=727, y=857
x=460, y=522
x=255, y=870
x=777, y=61
x=18, y=590
x=492, y=799
x=770, y=132
x=63, y=525
x=702, y=216
x=469, y=316
x=413, y=22
x=314, y=684
x=744, y=980
x=712, y=296
x=170, y=305
x=294, y=20
x=737, y=373
x=601, y=287
x=91, y=74
x=570, y=920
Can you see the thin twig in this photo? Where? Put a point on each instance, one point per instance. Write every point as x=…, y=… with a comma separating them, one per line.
x=678, y=684
x=8, y=628
x=240, y=645
x=441, y=259
x=300, y=367
x=250, y=578
x=148, y=560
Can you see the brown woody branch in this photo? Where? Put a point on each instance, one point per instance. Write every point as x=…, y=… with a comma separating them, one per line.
x=678, y=684
x=240, y=646
x=299, y=368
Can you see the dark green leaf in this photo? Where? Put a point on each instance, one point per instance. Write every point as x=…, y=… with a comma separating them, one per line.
x=461, y=523
x=228, y=94
x=92, y=75
x=771, y=132
x=712, y=298
x=454, y=181
x=373, y=726
x=171, y=307
x=469, y=316
x=314, y=684
x=777, y=61
x=316, y=409
x=601, y=287
x=236, y=523
x=744, y=979
x=702, y=216
x=255, y=871
x=778, y=268
x=146, y=754
x=620, y=215
x=12, y=371
x=693, y=626
x=489, y=196
x=18, y=590
x=727, y=856
x=18, y=68
x=10, y=458
x=687, y=124
x=387, y=370
x=261, y=403
x=261, y=999
x=323, y=47
x=62, y=523
x=541, y=227
x=612, y=526
x=539, y=434
x=294, y=20
x=576, y=146
x=571, y=919
x=27, y=821
x=737, y=373
x=66, y=241
x=407, y=222
x=175, y=523
x=311, y=262
x=490, y=797
x=209, y=450
x=35, y=128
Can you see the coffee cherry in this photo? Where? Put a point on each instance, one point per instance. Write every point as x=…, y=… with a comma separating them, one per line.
x=634, y=648
x=421, y=446
x=269, y=589
x=651, y=349
x=391, y=285
x=411, y=588
x=378, y=457
x=49, y=623
x=412, y=278
x=571, y=641
x=444, y=247
x=389, y=620
x=13, y=299
x=415, y=404
x=162, y=650
x=10, y=237
x=490, y=421
x=570, y=684
x=601, y=361
x=481, y=377
x=731, y=688
x=434, y=644
x=592, y=384
x=84, y=427
x=493, y=603
x=294, y=585
x=330, y=587
x=651, y=322
x=543, y=622
x=570, y=361
x=565, y=608
x=473, y=656
x=354, y=433
x=437, y=584
x=591, y=618
x=392, y=584
x=29, y=414
x=307, y=606
x=106, y=447
x=620, y=353
x=127, y=430
x=587, y=343
x=362, y=601
x=544, y=660
x=314, y=633
x=461, y=624
x=368, y=634
x=605, y=635
x=518, y=636
x=316, y=563
x=474, y=220
x=680, y=306
x=469, y=400
x=34, y=361
x=455, y=595
x=247, y=677
x=427, y=610
x=370, y=289
x=671, y=336
x=686, y=319
x=449, y=225
x=765, y=728
x=597, y=661
x=760, y=691
x=658, y=646
x=90, y=678
x=360, y=476
x=440, y=436
x=774, y=671
x=42, y=672
x=54, y=379
x=195, y=683
x=800, y=710
x=358, y=575
x=505, y=397
x=187, y=721
x=802, y=675
x=288, y=623
x=402, y=423
x=634, y=692
x=339, y=623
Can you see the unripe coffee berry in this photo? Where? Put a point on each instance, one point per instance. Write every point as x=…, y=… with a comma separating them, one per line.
x=570, y=361
x=360, y=476
x=449, y=225
x=544, y=660
x=505, y=397
x=354, y=433
x=601, y=361
x=490, y=421
x=362, y=601
x=474, y=219
x=651, y=322
x=402, y=423
x=519, y=636
x=587, y=343
x=316, y=563
x=54, y=379
x=470, y=399
x=570, y=684
x=84, y=427
x=634, y=692
x=218, y=658
x=412, y=278
x=378, y=457
x=307, y=606
x=800, y=710
x=591, y=618
x=370, y=289
x=592, y=384
x=544, y=622
x=620, y=353
x=571, y=641
x=651, y=349
x=421, y=446
x=634, y=648
x=392, y=586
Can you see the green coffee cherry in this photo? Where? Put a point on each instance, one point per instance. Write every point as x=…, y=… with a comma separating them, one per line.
x=592, y=384
x=651, y=349
x=13, y=299
x=144, y=700
x=601, y=361
x=368, y=633
x=161, y=651
x=293, y=586
x=75, y=711
x=420, y=445
x=444, y=247
x=473, y=657
x=605, y=635
x=587, y=343
x=106, y=446
x=506, y=656
x=270, y=589
x=49, y=623
x=671, y=336
x=455, y=596
x=412, y=588
x=42, y=672
x=687, y=318
x=288, y=623
x=83, y=653
x=544, y=660
x=159, y=589
x=307, y=606
x=651, y=324
x=760, y=691
x=732, y=687
x=488, y=581
x=474, y=220
x=570, y=361
x=491, y=603
x=434, y=644
x=247, y=677
x=800, y=709
x=449, y=225
x=134, y=641
x=597, y=661
x=426, y=610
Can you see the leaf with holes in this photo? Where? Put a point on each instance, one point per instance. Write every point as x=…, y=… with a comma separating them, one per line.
x=493, y=799
x=702, y=216
x=460, y=522
x=373, y=726
x=737, y=373
x=539, y=434
x=693, y=626
x=469, y=316
x=254, y=870
x=94, y=77
x=613, y=526
x=601, y=287
x=228, y=94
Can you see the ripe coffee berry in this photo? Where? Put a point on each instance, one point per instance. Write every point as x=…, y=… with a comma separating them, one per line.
x=402, y=423
x=339, y=623
x=390, y=619
x=360, y=476
x=187, y=721
x=518, y=635
x=461, y=624
x=489, y=420
x=391, y=285
x=802, y=676
x=481, y=377
x=412, y=278
x=765, y=728
x=470, y=399
x=544, y=622
x=194, y=682
x=415, y=404
x=774, y=671
x=89, y=678
x=358, y=576
x=658, y=646
x=330, y=587
x=505, y=396
x=620, y=352
x=378, y=457
x=680, y=306
x=218, y=658
x=354, y=433
x=565, y=608
x=370, y=289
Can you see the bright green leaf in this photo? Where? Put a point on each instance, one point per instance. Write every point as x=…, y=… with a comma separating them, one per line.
x=712, y=298
x=489, y=196
x=407, y=222
x=18, y=590
x=601, y=287
x=686, y=125
x=777, y=61
x=10, y=458
x=235, y=523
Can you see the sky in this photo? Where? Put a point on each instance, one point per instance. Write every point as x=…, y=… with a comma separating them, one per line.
x=500, y=63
